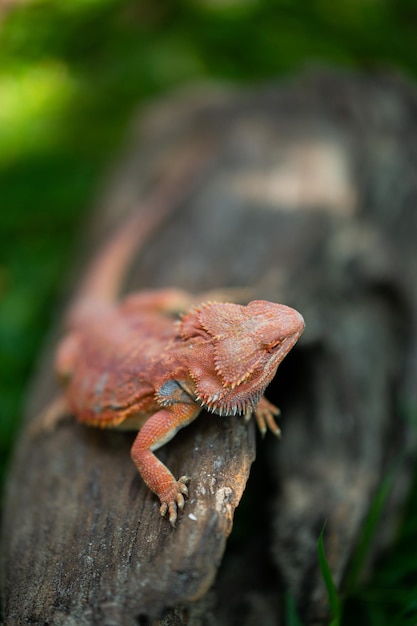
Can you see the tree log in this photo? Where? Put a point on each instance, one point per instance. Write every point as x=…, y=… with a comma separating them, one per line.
x=309, y=201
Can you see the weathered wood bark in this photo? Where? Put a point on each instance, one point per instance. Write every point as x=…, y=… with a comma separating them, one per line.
x=310, y=201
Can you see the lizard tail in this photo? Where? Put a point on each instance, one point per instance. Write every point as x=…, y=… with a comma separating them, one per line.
x=104, y=277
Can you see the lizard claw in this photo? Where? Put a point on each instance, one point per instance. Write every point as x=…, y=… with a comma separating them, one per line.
x=265, y=417
x=173, y=499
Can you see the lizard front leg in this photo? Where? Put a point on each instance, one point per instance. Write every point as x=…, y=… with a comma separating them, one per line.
x=157, y=431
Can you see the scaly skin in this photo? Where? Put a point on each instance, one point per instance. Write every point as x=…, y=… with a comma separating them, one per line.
x=129, y=365
x=147, y=372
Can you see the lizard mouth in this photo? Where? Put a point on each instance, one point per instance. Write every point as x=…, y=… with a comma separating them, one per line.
x=288, y=344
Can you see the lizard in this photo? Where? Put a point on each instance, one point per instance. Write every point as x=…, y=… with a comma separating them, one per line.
x=127, y=364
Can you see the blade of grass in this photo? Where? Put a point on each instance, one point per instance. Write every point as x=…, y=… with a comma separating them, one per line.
x=369, y=528
x=291, y=615
x=332, y=593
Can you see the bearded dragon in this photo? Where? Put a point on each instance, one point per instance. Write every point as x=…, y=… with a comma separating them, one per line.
x=127, y=364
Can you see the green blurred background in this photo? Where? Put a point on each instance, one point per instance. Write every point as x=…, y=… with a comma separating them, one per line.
x=72, y=72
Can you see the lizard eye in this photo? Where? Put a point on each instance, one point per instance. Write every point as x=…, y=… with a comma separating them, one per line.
x=274, y=346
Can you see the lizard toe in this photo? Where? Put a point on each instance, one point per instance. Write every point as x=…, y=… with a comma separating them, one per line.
x=265, y=417
x=174, y=499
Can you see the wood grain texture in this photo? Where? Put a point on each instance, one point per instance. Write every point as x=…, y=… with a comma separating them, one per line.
x=309, y=201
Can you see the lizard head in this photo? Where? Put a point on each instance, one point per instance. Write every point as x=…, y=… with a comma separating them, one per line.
x=237, y=350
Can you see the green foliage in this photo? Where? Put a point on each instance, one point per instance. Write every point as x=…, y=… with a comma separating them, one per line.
x=370, y=527
x=291, y=615
x=389, y=598
x=71, y=74
x=332, y=593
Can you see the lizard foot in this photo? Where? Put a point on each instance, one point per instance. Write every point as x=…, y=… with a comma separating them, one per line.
x=265, y=417
x=173, y=499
